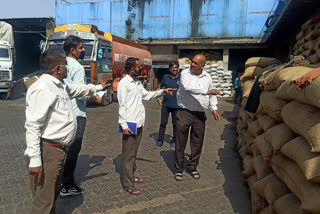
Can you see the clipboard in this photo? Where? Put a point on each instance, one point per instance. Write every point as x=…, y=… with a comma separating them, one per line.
x=132, y=126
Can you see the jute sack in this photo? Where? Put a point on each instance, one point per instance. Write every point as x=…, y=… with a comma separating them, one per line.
x=241, y=124
x=313, y=59
x=275, y=189
x=275, y=79
x=251, y=71
x=266, y=122
x=299, y=150
x=29, y=81
x=247, y=166
x=260, y=185
x=247, y=86
x=268, y=210
x=272, y=105
x=288, y=204
x=243, y=114
x=258, y=203
x=310, y=44
x=244, y=102
x=279, y=135
x=304, y=120
x=300, y=35
x=254, y=129
x=261, y=62
x=264, y=147
x=261, y=167
x=291, y=175
x=255, y=150
x=309, y=94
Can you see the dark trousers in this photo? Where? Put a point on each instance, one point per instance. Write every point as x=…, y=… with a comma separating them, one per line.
x=73, y=152
x=130, y=145
x=195, y=122
x=47, y=191
x=238, y=94
x=165, y=111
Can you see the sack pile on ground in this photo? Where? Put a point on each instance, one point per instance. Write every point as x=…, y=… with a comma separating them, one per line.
x=280, y=143
x=308, y=42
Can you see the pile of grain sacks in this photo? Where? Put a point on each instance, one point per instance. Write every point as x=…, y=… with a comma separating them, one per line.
x=308, y=42
x=280, y=144
x=221, y=80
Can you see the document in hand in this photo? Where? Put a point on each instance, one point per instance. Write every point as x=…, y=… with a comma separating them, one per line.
x=132, y=126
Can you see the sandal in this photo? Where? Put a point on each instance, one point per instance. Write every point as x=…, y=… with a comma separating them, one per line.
x=195, y=174
x=178, y=176
x=133, y=191
x=137, y=180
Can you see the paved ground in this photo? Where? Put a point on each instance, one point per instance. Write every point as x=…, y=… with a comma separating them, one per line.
x=220, y=189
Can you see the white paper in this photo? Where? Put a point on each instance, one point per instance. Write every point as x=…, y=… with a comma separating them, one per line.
x=101, y=93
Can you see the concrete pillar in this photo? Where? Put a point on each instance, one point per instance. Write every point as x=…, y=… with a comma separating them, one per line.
x=225, y=59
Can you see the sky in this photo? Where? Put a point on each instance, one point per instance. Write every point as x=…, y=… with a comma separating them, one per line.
x=27, y=9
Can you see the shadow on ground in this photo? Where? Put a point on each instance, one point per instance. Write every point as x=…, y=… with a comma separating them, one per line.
x=230, y=163
x=166, y=139
x=85, y=164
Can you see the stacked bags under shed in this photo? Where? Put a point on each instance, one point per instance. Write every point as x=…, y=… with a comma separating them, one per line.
x=308, y=42
x=280, y=143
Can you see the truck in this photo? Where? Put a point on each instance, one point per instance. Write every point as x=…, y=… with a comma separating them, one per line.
x=105, y=55
x=6, y=59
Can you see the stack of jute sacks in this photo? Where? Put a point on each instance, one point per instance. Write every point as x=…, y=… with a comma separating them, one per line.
x=222, y=80
x=280, y=144
x=308, y=42
x=253, y=68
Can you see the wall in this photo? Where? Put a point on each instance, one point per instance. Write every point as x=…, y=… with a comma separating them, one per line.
x=171, y=19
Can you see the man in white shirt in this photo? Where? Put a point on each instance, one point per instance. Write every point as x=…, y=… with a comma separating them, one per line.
x=73, y=48
x=50, y=128
x=130, y=95
x=194, y=96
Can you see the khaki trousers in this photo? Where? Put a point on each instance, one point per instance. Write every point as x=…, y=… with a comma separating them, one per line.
x=47, y=191
x=130, y=145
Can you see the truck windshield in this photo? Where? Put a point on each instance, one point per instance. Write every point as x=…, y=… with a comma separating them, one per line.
x=87, y=47
x=4, y=54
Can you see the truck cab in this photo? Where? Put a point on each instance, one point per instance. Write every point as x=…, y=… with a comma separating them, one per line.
x=6, y=66
x=105, y=54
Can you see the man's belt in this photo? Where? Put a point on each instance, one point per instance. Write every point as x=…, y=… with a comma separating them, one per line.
x=53, y=144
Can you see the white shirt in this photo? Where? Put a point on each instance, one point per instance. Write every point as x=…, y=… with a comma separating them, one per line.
x=77, y=75
x=130, y=95
x=49, y=113
x=192, y=93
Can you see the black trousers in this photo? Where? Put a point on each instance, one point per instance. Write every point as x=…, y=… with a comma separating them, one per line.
x=130, y=145
x=73, y=152
x=165, y=111
x=238, y=94
x=195, y=122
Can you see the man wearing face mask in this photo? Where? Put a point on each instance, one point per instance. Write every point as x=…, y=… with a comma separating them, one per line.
x=130, y=95
x=169, y=103
x=50, y=128
x=74, y=50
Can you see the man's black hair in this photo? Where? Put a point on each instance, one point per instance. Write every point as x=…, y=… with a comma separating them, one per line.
x=173, y=63
x=130, y=63
x=50, y=59
x=71, y=42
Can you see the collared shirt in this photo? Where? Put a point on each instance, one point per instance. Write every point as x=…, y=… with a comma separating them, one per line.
x=169, y=82
x=192, y=93
x=130, y=95
x=49, y=113
x=77, y=75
